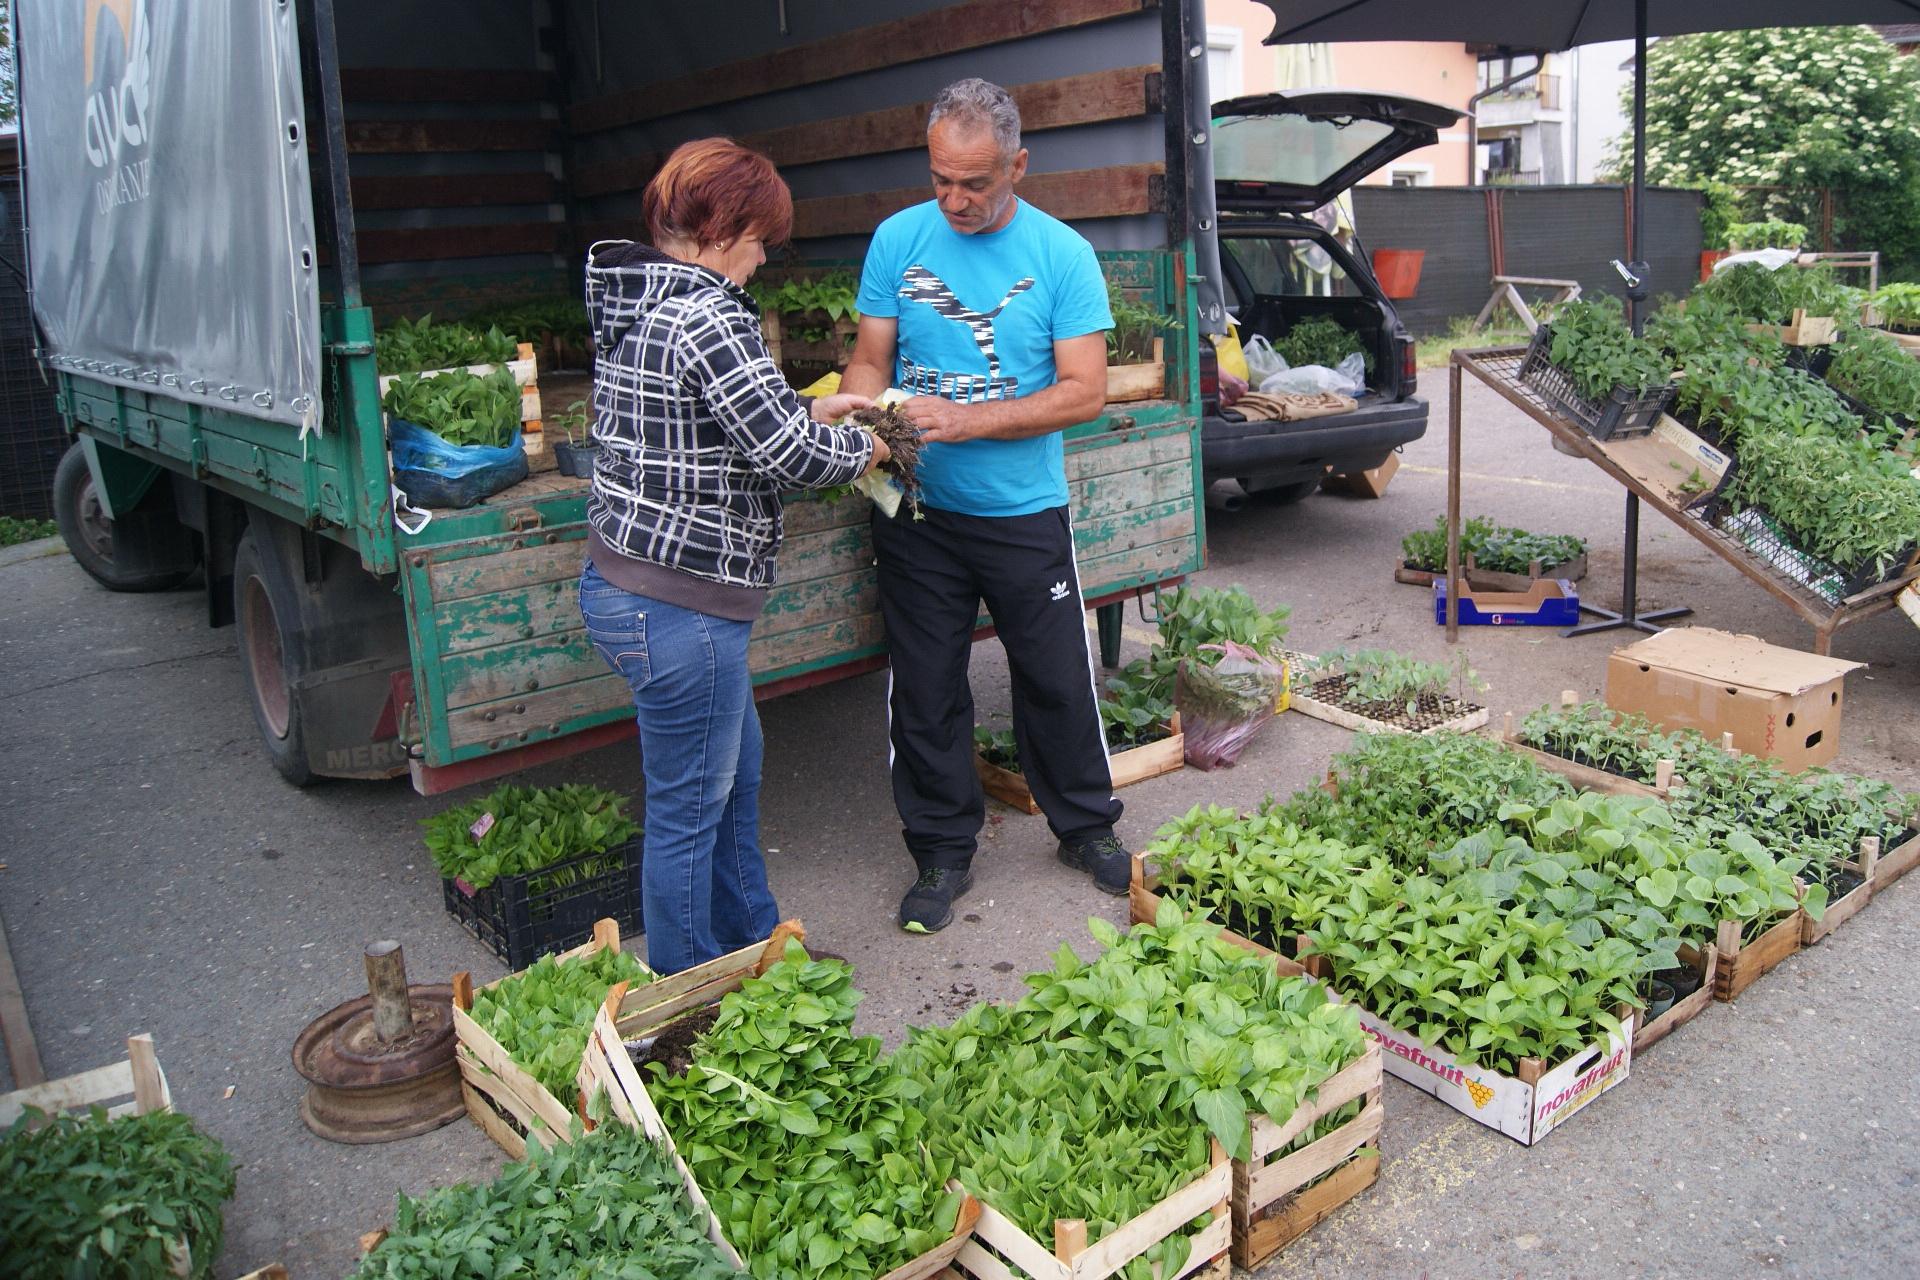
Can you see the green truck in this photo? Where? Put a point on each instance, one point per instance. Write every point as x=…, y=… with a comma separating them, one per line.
x=474, y=173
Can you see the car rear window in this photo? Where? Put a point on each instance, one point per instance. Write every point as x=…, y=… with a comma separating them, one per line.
x=1284, y=267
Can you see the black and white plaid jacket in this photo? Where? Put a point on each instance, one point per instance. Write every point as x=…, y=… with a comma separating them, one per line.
x=698, y=432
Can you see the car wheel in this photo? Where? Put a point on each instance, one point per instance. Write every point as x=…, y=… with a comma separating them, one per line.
x=88, y=530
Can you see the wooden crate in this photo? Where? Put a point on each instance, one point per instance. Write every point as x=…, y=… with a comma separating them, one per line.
x=1586, y=777
x=526, y=373
x=1741, y=965
x=1805, y=331
x=1145, y=381
x=1492, y=580
x=1705, y=962
x=607, y=1070
x=509, y=1105
x=785, y=345
x=998, y=1245
x=1143, y=906
x=1135, y=764
x=1279, y=1198
x=1864, y=864
x=138, y=1080
x=1899, y=860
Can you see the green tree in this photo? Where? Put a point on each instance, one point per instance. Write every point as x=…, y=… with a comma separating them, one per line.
x=1799, y=108
x=9, y=104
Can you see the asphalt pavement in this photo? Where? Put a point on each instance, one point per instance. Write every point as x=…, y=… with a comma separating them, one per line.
x=160, y=877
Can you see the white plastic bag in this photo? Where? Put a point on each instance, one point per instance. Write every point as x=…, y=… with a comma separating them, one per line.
x=1349, y=379
x=1263, y=361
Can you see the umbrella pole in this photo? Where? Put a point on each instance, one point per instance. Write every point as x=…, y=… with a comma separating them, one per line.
x=1630, y=617
x=1636, y=199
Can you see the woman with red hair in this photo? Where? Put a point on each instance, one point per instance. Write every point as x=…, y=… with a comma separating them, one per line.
x=698, y=435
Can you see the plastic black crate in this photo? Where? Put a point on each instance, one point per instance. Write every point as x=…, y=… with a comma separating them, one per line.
x=521, y=918
x=1624, y=414
x=1762, y=535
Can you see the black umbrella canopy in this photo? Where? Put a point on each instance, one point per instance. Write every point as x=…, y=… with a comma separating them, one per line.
x=1557, y=24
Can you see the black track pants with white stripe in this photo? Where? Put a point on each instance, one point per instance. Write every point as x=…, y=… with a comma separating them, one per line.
x=933, y=575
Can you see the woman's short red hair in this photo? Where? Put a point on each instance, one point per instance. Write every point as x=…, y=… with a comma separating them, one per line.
x=714, y=189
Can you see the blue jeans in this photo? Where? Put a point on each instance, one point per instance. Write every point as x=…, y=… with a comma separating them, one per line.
x=704, y=879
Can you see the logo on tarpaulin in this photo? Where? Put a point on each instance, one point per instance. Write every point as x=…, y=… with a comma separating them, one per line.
x=118, y=111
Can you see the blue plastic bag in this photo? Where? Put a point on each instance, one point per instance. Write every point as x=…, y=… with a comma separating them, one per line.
x=433, y=473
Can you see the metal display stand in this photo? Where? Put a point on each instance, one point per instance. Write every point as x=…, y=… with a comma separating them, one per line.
x=1499, y=369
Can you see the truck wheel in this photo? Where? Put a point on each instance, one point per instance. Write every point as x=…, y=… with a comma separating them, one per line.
x=88, y=531
x=261, y=600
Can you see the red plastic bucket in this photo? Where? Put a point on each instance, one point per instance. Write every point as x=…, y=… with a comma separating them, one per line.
x=1708, y=257
x=1398, y=271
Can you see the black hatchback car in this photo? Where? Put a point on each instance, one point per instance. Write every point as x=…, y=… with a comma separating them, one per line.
x=1277, y=158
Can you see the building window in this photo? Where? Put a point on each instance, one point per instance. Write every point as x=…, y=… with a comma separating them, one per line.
x=1223, y=63
x=1410, y=175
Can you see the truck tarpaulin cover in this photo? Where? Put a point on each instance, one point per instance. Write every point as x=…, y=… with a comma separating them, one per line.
x=169, y=218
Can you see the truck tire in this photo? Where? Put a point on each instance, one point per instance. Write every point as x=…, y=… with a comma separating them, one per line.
x=88, y=532
x=263, y=605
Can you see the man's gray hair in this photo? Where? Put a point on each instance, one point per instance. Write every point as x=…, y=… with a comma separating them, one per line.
x=982, y=105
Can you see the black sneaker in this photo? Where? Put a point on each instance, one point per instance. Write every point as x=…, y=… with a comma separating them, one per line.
x=928, y=906
x=1106, y=858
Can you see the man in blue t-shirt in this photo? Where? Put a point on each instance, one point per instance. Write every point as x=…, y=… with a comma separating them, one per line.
x=992, y=316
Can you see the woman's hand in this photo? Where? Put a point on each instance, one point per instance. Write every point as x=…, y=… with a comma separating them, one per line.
x=880, y=453
x=835, y=407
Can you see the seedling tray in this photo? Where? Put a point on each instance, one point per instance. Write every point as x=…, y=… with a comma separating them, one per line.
x=1624, y=413
x=607, y=1069
x=1135, y=764
x=1326, y=699
x=523, y=917
x=1546, y=604
x=1767, y=541
x=1279, y=1195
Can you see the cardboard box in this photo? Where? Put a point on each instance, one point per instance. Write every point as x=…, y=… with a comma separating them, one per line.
x=1524, y=1112
x=1548, y=603
x=1371, y=483
x=1776, y=702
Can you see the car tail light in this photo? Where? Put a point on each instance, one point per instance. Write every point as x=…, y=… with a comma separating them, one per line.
x=1209, y=378
x=1409, y=366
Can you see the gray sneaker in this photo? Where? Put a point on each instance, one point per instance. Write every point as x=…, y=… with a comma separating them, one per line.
x=929, y=904
x=1106, y=858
